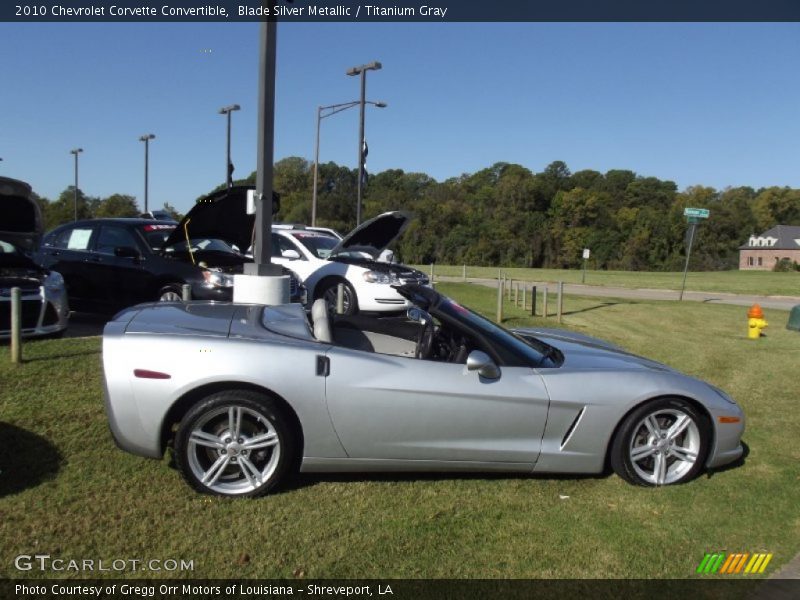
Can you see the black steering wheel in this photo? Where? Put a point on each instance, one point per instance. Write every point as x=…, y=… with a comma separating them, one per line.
x=425, y=341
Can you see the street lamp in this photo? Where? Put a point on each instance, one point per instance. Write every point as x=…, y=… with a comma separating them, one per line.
x=76, y=151
x=146, y=139
x=362, y=71
x=332, y=110
x=227, y=110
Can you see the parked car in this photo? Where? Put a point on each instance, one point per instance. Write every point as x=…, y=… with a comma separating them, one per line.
x=323, y=261
x=44, y=308
x=158, y=215
x=109, y=264
x=445, y=389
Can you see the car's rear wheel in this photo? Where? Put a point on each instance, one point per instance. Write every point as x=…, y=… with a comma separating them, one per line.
x=235, y=443
x=350, y=302
x=663, y=442
x=170, y=293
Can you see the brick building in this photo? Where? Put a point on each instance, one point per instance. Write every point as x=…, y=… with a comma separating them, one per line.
x=762, y=252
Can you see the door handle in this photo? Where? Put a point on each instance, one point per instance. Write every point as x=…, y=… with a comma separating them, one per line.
x=323, y=366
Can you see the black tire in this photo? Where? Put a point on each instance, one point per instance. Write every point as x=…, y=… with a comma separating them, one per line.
x=231, y=465
x=644, y=452
x=329, y=291
x=171, y=293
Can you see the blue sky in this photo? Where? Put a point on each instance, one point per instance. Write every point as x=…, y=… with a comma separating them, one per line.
x=711, y=104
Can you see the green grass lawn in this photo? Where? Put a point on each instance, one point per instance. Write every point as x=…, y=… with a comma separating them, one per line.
x=67, y=491
x=765, y=283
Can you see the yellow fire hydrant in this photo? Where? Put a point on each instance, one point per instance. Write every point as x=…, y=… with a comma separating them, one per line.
x=755, y=322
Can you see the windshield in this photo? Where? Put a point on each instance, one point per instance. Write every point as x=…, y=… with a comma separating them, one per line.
x=514, y=350
x=319, y=244
x=155, y=235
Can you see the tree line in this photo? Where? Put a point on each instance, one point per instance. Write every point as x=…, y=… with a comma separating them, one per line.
x=63, y=209
x=507, y=215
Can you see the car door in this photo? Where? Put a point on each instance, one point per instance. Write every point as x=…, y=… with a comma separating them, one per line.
x=398, y=408
x=124, y=280
x=68, y=251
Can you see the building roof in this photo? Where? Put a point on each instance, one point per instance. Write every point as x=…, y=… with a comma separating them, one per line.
x=780, y=237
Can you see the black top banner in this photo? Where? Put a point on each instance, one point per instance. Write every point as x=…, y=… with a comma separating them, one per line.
x=437, y=11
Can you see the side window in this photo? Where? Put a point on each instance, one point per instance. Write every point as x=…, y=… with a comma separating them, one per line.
x=285, y=244
x=76, y=239
x=280, y=245
x=114, y=236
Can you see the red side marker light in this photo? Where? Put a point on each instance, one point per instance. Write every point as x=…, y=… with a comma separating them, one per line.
x=729, y=419
x=146, y=374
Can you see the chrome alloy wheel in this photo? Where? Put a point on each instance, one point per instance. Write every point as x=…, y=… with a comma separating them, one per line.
x=664, y=446
x=233, y=450
x=331, y=297
x=170, y=296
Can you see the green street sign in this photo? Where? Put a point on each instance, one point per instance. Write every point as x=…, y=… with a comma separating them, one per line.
x=699, y=213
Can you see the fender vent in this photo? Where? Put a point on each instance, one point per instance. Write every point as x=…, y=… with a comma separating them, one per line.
x=572, y=427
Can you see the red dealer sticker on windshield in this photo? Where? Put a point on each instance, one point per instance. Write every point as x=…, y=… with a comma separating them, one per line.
x=158, y=227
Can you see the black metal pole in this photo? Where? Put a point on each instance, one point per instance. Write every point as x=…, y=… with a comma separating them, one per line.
x=228, y=174
x=316, y=172
x=146, y=170
x=262, y=253
x=361, y=144
x=75, y=215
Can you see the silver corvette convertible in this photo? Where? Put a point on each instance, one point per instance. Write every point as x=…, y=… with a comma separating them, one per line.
x=246, y=395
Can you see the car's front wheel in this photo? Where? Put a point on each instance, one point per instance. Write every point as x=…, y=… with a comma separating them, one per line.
x=171, y=293
x=663, y=442
x=235, y=443
x=349, y=301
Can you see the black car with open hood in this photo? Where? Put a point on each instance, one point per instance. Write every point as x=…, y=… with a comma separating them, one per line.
x=110, y=264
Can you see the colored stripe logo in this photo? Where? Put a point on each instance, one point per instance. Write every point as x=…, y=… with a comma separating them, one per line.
x=736, y=563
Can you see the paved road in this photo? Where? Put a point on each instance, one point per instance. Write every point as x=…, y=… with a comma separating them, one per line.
x=774, y=302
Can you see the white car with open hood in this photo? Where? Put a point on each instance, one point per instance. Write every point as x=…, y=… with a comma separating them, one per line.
x=323, y=262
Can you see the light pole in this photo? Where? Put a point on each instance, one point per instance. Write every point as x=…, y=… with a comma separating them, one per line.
x=362, y=71
x=76, y=151
x=146, y=139
x=227, y=110
x=332, y=110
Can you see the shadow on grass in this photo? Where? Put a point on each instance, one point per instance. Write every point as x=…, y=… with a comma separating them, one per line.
x=26, y=460
x=739, y=462
x=596, y=307
x=304, y=480
x=64, y=355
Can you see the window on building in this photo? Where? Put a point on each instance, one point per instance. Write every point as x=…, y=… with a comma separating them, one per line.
x=760, y=261
x=750, y=261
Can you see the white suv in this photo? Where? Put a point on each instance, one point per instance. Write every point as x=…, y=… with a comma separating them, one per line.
x=323, y=261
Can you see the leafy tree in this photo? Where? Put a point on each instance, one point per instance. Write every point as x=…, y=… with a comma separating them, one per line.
x=117, y=205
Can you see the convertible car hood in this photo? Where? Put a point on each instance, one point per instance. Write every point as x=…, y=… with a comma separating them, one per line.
x=374, y=236
x=20, y=216
x=586, y=352
x=221, y=215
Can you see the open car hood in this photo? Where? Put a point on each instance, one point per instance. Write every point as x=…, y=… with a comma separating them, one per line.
x=374, y=236
x=20, y=217
x=221, y=215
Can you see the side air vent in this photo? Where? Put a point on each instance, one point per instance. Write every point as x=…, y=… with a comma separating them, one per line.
x=572, y=427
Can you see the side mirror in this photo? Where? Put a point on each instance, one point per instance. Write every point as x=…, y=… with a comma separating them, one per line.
x=480, y=362
x=126, y=252
x=291, y=254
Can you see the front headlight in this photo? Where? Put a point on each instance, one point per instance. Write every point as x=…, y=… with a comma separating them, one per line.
x=378, y=277
x=217, y=279
x=54, y=282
